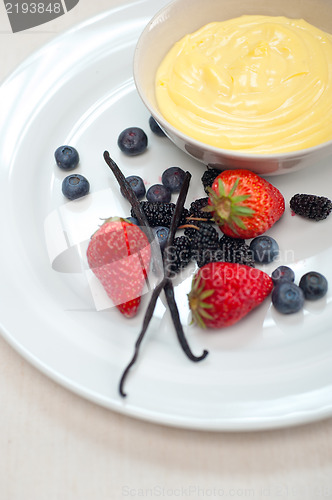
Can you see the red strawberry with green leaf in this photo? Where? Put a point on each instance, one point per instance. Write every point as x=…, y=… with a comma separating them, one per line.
x=223, y=293
x=119, y=254
x=243, y=204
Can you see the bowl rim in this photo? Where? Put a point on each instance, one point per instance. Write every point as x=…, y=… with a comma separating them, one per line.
x=234, y=153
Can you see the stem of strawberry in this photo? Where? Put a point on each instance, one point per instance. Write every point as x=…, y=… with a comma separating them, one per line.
x=189, y=226
x=202, y=219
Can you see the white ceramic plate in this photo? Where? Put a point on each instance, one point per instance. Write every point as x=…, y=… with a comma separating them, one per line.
x=268, y=371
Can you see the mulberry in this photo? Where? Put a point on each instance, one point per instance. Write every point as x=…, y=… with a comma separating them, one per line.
x=311, y=206
x=178, y=255
x=160, y=214
x=208, y=177
x=236, y=250
x=196, y=207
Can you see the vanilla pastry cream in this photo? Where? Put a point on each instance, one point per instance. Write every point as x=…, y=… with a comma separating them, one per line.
x=255, y=83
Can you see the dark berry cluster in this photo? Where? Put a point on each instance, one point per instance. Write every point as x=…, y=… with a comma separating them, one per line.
x=204, y=240
x=311, y=206
x=178, y=255
x=206, y=246
x=202, y=234
x=160, y=213
x=196, y=209
x=237, y=251
x=227, y=250
x=208, y=177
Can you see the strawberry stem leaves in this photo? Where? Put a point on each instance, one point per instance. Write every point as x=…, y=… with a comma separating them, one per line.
x=228, y=207
x=196, y=298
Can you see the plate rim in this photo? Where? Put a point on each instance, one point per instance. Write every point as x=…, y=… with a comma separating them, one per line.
x=219, y=424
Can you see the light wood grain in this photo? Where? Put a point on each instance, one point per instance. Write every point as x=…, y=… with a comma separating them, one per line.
x=57, y=446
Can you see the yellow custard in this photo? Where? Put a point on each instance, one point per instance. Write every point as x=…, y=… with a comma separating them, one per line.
x=254, y=83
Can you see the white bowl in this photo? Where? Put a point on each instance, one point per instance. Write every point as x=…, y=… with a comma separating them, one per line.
x=181, y=17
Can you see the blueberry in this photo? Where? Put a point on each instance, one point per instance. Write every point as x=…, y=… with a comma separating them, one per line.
x=75, y=186
x=158, y=192
x=281, y=274
x=66, y=157
x=154, y=126
x=133, y=141
x=137, y=185
x=264, y=249
x=173, y=178
x=133, y=220
x=287, y=298
x=161, y=233
x=314, y=285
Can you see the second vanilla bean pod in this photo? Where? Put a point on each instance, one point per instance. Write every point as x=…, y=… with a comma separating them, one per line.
x=168, y=288
x=147, y=318
x=169, y=292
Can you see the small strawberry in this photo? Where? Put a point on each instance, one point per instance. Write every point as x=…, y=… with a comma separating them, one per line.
x=223, y=293
x=119, y=255
x=243, y=204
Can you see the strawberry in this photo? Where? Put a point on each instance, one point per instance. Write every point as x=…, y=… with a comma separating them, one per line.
x=119, y=255
x=243, y=204
x=223, y=293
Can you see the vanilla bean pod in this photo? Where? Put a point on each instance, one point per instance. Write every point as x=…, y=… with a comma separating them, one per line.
x=176, y=216
x=129, y=194
x=166, y=282
x=168, y=288
x=136, y=206
x=169, y=292
x=140, y=215
x=147, y=318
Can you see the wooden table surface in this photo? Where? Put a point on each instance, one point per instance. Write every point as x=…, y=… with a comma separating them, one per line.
x=56, y=446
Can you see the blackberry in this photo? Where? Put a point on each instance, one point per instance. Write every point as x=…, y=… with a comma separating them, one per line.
x=205, y=255
x=226, y=249
x=204, y=242
x=231, y=243
x=241, y=255
x=178, y=255
x=191, y=231
x=160, y=214
x=208, y=177
x=311, y=206
x=204, y=237
x=196, y=206
x=236, y=250
x=230, y=246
